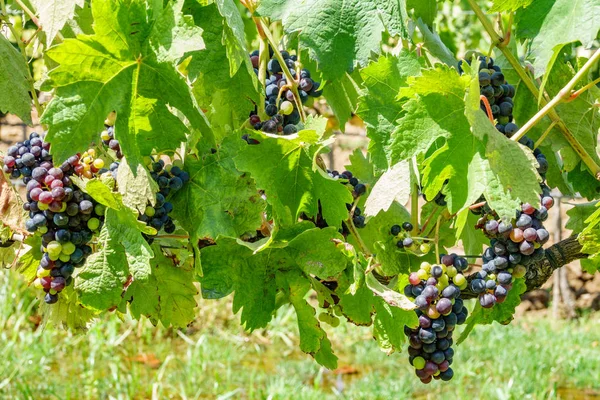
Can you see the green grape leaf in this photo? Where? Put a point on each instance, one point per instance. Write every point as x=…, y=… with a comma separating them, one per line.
x=29, y=257
x=168, y=294
x=501, y=313
x=218, y=200
x=136, y=188
x=475, y=157
x=233, y=35
x=123, y=253
x=378, y=106
x=550, y=24
x=127, y=67
x=393, y=186
x=508, y=5
x=339, y=34
x=312, y=336
x=578, y=215
x=361, y=167
x=388, y=295
x=388, y=326
x=227, y=99
x=68, y=312
x=434, y=45
x=101, y=280
x=316, y=254
x=229, y=267
x=589, y=238
x=342, y=97
x=54, y=14
x=292, y=182
x=426, y=10
x=12, y=215
x=14, y=80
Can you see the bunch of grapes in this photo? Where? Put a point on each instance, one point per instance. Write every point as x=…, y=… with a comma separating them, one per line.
x=169, y=178
x=108, y=139
x=517, y=243
x=64, y=216
x=406, y=241
x=436, y=292
x=280, y=104
x=22, y=158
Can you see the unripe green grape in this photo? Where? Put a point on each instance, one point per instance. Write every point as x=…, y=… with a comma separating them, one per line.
x=425, y=248
x=286, y=108
x=93, y=224
x=64, y=257
x=150, y=211
x=68, y=248
x=54, y=248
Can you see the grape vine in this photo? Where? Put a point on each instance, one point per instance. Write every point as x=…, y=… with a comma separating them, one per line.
x=174, y=160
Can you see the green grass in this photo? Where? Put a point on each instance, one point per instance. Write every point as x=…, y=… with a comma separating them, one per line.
x=215, y=359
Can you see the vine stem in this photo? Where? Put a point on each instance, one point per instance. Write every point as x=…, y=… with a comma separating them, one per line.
x=437, y=238
x=354, y=232
x=31, y=15
x=497, y=40
x=563, y=95
x=541, y=138
x=414, y=208
x=583, y=89
x=21, y=45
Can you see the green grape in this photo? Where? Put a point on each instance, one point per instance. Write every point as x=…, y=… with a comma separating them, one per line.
x=68, y=248
x=64, y=257
x=150, y=211
x=93, y=224
x=54, y=248
x=286, y=108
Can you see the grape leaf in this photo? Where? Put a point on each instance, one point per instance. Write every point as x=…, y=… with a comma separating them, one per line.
x=434, y=45
x=218, y=200
x=227, y=99
x=230, y=267
x=12, y=215
x=475, y=157
x=393, y=185
x=123, y=252
x=508, y=5
x=361, y=167
x=315, y=252
x=550, y=24
x=167, y=296
x=388, y=326
x=68, y=312
x=388, y=295
x=342, y=97
x=233, y=35
x=501, y=313
x=29, y=257
x=313, y=339
x=378, y=106
x=292, y=183
x=359, y=307
x=54, y=14
x=339, y=34
x=578, y=214
x=126, y=66
x=426, y=10
x=14, y=80
x=136, y=188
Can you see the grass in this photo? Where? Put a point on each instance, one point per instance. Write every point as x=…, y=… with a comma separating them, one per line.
x=216, y=359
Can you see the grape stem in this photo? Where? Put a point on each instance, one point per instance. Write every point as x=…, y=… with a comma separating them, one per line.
x=552, y=114
x=488, y=108
x=546, y=132
x=437, y=238
x=565, y=94
x=21, y=45
x=354, y=232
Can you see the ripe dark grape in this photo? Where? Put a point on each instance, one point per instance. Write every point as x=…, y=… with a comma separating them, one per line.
x=430, y=342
